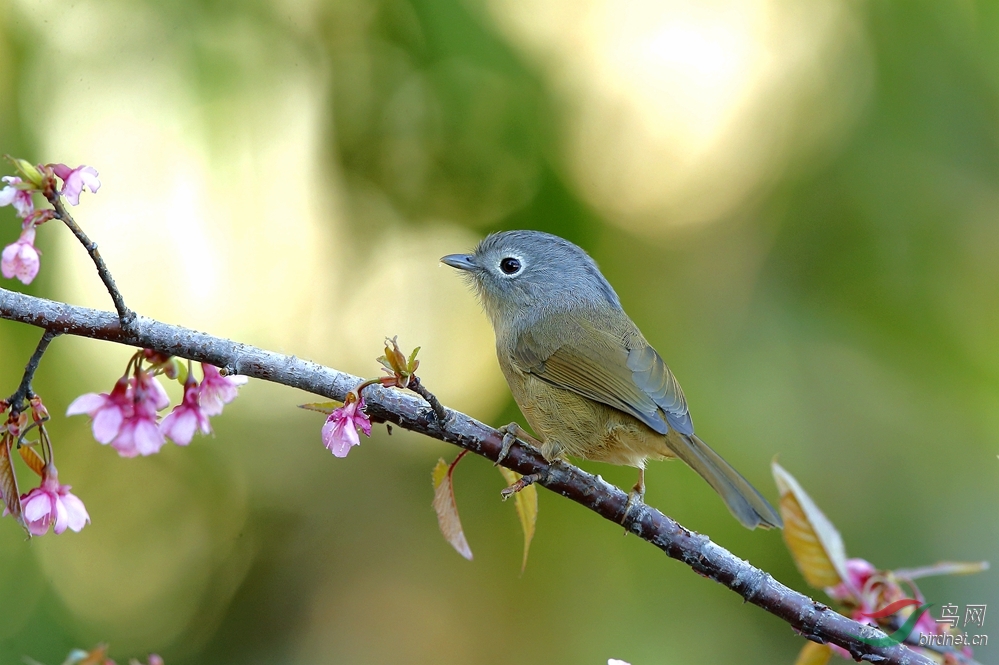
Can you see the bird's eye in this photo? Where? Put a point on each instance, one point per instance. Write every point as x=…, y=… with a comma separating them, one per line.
x=510, y=265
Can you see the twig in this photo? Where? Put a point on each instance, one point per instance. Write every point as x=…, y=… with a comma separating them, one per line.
x=807, y=617
x=24, y=391
x=417, y=387
x=125, y=315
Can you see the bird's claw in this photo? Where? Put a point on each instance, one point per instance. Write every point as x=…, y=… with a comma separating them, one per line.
x=524, y=481
x=508, y=439
x=511, y=433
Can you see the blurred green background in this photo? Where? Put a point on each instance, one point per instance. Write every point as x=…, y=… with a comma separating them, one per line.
x=798, y=203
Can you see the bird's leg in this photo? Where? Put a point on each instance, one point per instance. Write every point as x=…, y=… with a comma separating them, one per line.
x=524, y=481
x=636, y=496
x=511, y=433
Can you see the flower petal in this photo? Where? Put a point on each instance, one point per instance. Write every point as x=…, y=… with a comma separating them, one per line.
x=148, y=437
x=345, y=439
x=36, y=505
x=158, y=394
x=7, y=195
x=87, y=404
x=179, y=425
x=124, y=443
x=107, y=424
x=8, y=260
x=61, y=170
x=361, y=420
x=76, y=513
x=88, y=175
x=61, y=516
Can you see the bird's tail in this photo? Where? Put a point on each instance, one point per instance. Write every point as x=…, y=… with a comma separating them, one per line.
x=748, y=505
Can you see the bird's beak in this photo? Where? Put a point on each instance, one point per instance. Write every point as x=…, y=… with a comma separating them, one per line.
x=460, y=261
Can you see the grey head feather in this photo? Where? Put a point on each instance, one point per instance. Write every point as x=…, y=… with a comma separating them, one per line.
x=554, y=275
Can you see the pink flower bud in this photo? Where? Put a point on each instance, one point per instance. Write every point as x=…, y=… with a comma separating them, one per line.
x=187, y=417
x=20, y=259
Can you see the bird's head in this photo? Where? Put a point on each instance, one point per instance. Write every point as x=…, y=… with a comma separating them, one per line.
x=520, y=275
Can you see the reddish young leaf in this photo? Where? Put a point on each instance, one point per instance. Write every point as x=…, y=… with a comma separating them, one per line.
x=400, y=370
x=447, y=509
x=8, y=481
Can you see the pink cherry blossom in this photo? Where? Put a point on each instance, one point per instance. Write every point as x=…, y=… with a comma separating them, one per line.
x=140, y=433
x=53, y=504
x=858, y=571
x=20, y=259
x=19, y=198
x=151, y=389
x=217, y=390
x=340, y=431
x=188, y=416
x=74, y=180
x=108, y=411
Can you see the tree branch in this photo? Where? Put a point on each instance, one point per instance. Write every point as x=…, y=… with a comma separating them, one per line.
x=807, y=617
x=24, y=391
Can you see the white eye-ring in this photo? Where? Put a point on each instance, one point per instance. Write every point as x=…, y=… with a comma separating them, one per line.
x=511, y=265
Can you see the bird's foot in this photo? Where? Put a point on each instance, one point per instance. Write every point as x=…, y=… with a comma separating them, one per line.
x=511, y=433
x=524, y=481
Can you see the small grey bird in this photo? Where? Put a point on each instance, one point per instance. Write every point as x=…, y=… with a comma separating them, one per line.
x=582, y=373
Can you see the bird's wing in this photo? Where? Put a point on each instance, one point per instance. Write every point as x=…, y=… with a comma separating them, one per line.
x=653, y=377
x=621, y=371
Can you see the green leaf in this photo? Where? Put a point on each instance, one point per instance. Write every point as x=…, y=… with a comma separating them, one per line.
x=942, y=568
x=446, y=508
x=321, y=407
x=814, y=543
x=413, y=362
x=28, y=171
x=179, y=370
x=526, y=501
